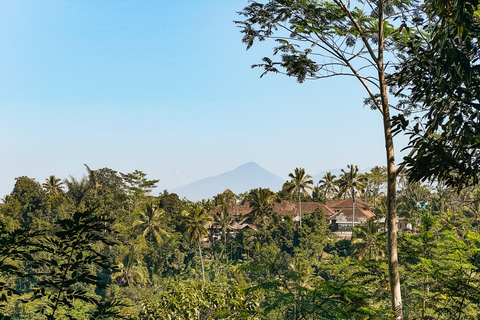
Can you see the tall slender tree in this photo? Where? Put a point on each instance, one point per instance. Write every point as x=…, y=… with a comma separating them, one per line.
x=197, y=219
x=223, y=219
x=300, y=183
x=349, y=184
x=322, y=39
x=328, y=185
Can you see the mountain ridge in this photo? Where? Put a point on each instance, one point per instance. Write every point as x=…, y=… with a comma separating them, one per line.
x=241, y=179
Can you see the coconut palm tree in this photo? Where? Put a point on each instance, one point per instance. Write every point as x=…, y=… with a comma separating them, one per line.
x=197, y=219
x=299, y=184
x=367, y=239
x=77, y=189
x=151, y=221
x=261, y=206
x=53, y=186
x=350, y=183
x=328, y=185
x=93, y=180
x=223, y=219
x=130, y=271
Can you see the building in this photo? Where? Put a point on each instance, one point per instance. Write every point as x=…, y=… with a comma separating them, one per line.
x=344, y=217
x=339, y=213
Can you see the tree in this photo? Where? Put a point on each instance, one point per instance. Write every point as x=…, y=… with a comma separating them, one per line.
x=375, y=181
x=53, y=186
x=138, y=186
x=32, y=198
x=186, y=300
x=261, y=204
x=328, y=185
x=323, y=39
x=367, y=239
x=151, y=222
x=62, y=264
x=350, y=183
x=93, y=183
x=197, y=219
x=129, y=269
x=299, y=184
x=442, y=76
x=77, y=190
x=223, y=218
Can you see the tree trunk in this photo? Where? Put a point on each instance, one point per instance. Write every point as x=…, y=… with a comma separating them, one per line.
x=300, y=208
x=201, y=259
x=394, y=275
x=353, y=213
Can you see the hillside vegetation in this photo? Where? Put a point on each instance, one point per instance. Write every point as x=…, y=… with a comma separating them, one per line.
x=103, y=247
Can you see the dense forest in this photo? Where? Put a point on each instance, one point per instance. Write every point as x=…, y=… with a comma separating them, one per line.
x=104, y=247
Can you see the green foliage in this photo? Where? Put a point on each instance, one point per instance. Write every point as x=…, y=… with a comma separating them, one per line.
x=442, y=77
x=261, y=201
x=61, y=265
x=137, y=182
x=32, y=199
x=441, y=272
x=77, y=266
x=328, y=185
x=188, y=300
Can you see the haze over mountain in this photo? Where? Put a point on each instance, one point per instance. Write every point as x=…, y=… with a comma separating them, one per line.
x=242, y=179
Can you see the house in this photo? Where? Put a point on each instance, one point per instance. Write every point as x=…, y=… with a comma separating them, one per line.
x=402, y=223
x=339, y=213
x=344, y=216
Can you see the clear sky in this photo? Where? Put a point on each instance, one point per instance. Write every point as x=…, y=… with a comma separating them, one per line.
x=164, y=87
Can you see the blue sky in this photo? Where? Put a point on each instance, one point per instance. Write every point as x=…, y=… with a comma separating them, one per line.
x=166, y=88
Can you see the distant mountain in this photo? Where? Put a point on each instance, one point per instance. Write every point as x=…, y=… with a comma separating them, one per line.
x=243, y=178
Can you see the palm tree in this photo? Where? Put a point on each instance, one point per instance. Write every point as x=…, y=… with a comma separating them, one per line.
x=328, y=185
x=53, y=186
x=261, y=204
x=225, y=201
x=130, y=271
x=300, y=183
x=197, y=219
x=227, y=197
x=349, y=184
x=92, y=180
x=367, y=238
x=77, y=189
x=150, y=222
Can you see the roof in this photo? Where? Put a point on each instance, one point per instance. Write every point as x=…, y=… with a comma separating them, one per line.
x=346, y=215
x=346, y=203
x=282, y=208
x=368, y=213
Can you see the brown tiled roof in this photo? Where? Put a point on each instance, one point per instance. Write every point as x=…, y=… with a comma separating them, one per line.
x=347, y=203
x=332, y=203
x=326, y=210
x=292, y=208
x=283, y=208
x=347, y=215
